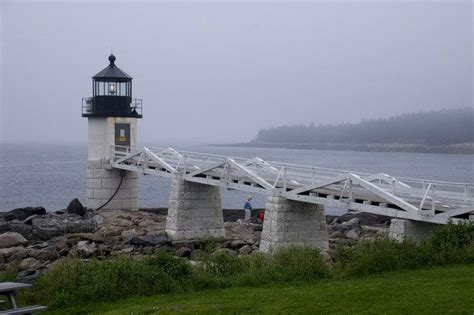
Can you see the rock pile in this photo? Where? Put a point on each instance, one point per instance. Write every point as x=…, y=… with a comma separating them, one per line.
x=35, y=240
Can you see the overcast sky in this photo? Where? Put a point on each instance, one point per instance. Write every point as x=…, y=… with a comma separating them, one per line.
x=218, y=72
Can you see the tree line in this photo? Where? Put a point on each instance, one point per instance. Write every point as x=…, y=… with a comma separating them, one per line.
x=442, y=127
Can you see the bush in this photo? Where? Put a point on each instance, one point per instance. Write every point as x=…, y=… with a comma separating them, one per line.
x=209, y=244
x=301, y=263
x=175, y=267
x=377, y=256
x=9, y=274
x=290, y=264
x=451, y=244
x=73, y=281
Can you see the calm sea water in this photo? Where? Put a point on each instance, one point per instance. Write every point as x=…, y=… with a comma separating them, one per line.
x=51, y=175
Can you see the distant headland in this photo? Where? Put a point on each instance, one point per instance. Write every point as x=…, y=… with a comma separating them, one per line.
x=442, y=131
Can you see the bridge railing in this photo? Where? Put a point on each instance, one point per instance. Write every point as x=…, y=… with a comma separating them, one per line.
x=288, y=175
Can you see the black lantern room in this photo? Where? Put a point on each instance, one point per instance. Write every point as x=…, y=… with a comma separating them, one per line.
x=111, y=95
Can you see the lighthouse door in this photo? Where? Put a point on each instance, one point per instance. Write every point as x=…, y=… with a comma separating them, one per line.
x=122, y=135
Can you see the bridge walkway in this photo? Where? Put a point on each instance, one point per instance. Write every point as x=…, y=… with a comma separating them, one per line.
x=405, y=198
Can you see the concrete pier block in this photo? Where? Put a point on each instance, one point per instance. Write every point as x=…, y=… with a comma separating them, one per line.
x=414, y=230
x=102, y=183
x=293, y=223
x=195, y=211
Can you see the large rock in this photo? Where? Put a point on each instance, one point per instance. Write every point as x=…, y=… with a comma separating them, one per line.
x=51, y=225
x=353, y=234
x=44, y=254
x=5, y=227
x=352, y=222
x=237, y=244
x=336, y=234
x=365, y=218
x=225, y=251
x=245, y=250
x=12, y=239
x=183, y=252
x=86, y=249
x=28, y=276
x=13, y=253
x=94, y=237
x=75, y=207
x=30, y=263
x=22, y=213
x=149, y=240
x=98, y=219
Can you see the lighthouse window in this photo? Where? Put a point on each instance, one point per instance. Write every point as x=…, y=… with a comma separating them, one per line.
x=122, y=89
x=101, y=88
x=112, y=89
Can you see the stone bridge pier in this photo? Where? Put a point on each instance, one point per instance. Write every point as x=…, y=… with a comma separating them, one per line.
x=194, y=211
x=293, y=223
x=407, y=229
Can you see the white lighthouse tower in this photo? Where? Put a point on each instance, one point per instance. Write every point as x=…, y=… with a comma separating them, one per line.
x=112, y=116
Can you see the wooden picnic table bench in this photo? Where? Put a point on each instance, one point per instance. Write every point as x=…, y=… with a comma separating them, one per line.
x=9, y=289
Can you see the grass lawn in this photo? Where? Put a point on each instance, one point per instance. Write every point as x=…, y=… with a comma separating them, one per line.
x=443, y=290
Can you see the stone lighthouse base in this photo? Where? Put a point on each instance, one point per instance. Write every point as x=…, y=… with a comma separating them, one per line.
x=102, y=183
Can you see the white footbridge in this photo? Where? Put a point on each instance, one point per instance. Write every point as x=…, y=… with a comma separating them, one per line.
x=405, y=198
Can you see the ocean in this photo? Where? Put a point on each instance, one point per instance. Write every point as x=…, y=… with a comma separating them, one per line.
x=50, y=175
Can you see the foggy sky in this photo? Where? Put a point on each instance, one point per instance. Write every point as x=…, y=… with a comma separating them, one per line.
x=216, y=73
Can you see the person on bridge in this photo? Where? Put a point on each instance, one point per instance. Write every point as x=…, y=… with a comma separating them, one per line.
x=248, y=208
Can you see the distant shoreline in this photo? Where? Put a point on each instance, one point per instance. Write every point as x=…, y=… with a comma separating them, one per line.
x=461, y=148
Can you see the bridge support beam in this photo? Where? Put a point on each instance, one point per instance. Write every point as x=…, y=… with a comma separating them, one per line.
x=293, y=223
x=103, y=181
x=414, y=230
x=195, y=211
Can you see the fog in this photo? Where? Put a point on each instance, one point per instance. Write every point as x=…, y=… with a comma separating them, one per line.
x=218, y=72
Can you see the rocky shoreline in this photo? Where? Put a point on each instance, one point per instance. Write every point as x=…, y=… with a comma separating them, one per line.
x=35, y=239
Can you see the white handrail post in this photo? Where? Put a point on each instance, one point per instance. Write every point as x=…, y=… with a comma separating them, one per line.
x=185, y=164
x=466, y=192
x=350, y=190
x=424, y=197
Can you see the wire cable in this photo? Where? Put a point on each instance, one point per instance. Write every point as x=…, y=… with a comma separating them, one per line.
x=122, y=175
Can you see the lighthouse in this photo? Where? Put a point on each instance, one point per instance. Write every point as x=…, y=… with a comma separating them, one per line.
x=112, y=116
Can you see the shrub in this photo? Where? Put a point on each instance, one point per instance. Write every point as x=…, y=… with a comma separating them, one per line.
x=449, y=244
x=175, y=267
x=377, y=256
x=209, y=244
x=9, y=274
x=290, y=264
x=453, y=244
x=222, y=265
x=301, y=263
x=73, y=281
x=258, y=269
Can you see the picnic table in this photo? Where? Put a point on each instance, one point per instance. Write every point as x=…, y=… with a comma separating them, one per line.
x=9, y=289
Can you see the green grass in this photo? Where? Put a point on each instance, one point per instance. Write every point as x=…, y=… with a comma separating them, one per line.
x=438, y=290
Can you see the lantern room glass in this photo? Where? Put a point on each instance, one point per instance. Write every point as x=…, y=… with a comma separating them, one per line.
x=111, y=88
